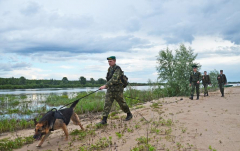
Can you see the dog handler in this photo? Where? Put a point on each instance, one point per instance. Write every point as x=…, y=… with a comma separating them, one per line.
x=114, y=88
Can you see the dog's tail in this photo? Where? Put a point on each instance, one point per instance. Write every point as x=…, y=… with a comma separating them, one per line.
x=74, y=104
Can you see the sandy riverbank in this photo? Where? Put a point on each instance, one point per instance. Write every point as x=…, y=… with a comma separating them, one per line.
x=196, y=124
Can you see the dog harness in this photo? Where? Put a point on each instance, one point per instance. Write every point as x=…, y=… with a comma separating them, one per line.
x=57, y=115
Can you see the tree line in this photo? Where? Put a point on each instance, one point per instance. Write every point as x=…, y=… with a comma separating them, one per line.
x=23, y=83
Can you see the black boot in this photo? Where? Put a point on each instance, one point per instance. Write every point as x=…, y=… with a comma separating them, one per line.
x=204, y=94
x=222, y=94
x=104, y=121
x=197, y=97
x=129, y=116
x=207, y=93
x=191, y=97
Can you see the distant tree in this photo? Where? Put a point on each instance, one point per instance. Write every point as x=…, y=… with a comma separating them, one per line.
x=83, y=80
x=175, y=70
x=101, y=81
x=92, y=81
x=51, y=81
x=2, y=81
x=13, y=81
x=213, y=76
x=65, y=80
x=22, y=80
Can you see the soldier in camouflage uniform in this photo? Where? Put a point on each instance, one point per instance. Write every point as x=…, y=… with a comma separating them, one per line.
x=222, y=80
x=206, y=81
x=114, y=88
x=195, y=79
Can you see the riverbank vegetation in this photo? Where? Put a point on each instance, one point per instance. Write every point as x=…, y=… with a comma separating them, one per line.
x=23, y=83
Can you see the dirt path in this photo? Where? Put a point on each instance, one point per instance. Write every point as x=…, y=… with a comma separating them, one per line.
x=172, y=124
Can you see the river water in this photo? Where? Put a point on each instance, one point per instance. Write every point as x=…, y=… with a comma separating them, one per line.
x=34, y=99
x=56, y=90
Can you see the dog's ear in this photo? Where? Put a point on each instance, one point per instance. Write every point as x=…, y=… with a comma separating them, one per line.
x=35, y=121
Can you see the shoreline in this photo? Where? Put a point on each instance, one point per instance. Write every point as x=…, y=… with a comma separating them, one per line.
x=195, y=125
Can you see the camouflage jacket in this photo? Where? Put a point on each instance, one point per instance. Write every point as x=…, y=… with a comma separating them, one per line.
x=195, y=77
x=222, y=78
x=113, y=79
x=206, y=79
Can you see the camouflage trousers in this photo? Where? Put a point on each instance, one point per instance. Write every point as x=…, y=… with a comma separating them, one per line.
x=221, y=87
x=195, y=85
x=110, y=97
x=205, y=88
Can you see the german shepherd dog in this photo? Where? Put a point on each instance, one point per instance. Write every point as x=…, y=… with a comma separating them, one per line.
x=54, y=120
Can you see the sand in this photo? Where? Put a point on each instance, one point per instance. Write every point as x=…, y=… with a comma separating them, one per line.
x=211, y=121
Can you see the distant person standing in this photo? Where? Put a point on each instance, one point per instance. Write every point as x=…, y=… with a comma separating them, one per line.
x=114, y=88
x=195, y=79
x=222, y=80
x=206, y=81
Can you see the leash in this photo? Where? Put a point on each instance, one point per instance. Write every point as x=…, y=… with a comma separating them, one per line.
x=79, y=99
x=71, y=102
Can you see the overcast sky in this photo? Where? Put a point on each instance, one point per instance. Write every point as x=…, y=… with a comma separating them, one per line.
x=56, y=38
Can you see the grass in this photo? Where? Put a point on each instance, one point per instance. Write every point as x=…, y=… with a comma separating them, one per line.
x=142, y=140
x=143, y=145
x=8, y=145
x=119, y=135
x=11, y=125
x=95, y=102
x=92, y=103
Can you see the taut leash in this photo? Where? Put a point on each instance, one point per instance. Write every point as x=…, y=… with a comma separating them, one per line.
x=79, y=98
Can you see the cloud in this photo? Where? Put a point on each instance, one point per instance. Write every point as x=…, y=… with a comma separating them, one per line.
x=31, y=9
x=66, y=67
x=58, y=35
x=14, y=66
x=181, y=22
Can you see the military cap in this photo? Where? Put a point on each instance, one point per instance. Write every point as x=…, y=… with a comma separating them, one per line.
x=194, y=66
x=111, y=58
x=221, y=70
x=205, y=71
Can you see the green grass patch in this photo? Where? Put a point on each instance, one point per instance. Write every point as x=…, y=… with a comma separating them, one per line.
x=8, y=145
x=7, y=125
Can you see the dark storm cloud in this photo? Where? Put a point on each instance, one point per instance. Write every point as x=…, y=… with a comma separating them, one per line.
x=180, y=22
x=100, y=45
x=41, y=28
x=14, y=66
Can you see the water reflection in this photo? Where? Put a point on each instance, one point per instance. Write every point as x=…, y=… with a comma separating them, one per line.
x=27, y=103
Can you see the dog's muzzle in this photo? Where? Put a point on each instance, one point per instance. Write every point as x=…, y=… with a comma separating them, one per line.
x=38, y=136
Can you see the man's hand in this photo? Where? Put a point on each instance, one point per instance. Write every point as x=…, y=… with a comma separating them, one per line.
x=198, y=82
x=218, y=77
x=102, y=87
x=190, y=84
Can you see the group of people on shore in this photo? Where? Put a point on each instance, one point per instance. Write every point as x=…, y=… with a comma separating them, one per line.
x=196, y=77
x=115, y=87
